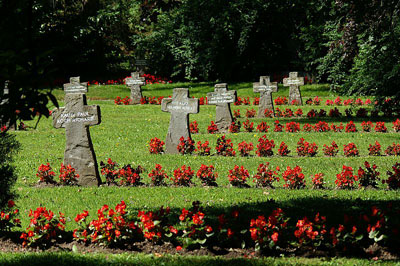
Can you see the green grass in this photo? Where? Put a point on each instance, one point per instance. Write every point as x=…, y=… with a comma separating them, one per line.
x=125, y=132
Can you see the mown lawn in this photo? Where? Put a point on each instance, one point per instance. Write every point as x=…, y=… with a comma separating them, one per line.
x=125, y=132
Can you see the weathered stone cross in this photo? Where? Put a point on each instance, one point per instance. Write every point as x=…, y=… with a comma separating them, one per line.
x=265, y=87
x=222, y=98
x=76, y=117
x=180, y=106
x=294, y=91
x=135, y=83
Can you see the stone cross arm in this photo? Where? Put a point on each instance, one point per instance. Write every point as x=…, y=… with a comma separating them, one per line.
x=89, y=116
x=75, y=86
x=293, y=79
x=214, y=98
x=135, y=79
x=180, y=103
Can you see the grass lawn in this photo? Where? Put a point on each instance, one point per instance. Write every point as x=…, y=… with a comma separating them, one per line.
x=125, y=132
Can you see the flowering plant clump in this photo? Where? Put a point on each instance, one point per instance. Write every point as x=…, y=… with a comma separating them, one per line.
x=292, y=127
x=281, y=100
x=246, y=101
x=250, y=113
x=331, y=150
x=307, y=127
x=203, y=149
x=334, y=113
x=212, y=129
x=311, y=231
x=367, y=126
x=185, y=146
x=350, y=150
x=348, y=112
x=238, y=176
x=369, y=176
x=288, y=113
x=321, y=126
x=195, y=229
x=283, y=149
x=337, y=101
x=245, y=148
x=224, y=147
x=67, y=175
x=265, y=146
x=380, y=127
x=374, y=150
x=305, y=148
x=318, y=181
x=265, y=176
x=155, y=225
x=396, y=125
x=109, y=170
x=203, y=100
x=393, y=149
x=295, y=102
x=266, y=233
x=321, y=113
x=268, y=113
x=207, y=175
x=262, y=127
x=350, y=127
x=43, y=227
x=337, y=128
x=294, y=178
x=316, y=100
x=129, y=176
x=46, y=174
x=156, y=146
x=248, y=126
x=298, y=113
x=183, y=176
x=235, y=127
x=158, y=176
x=230, y=230
x=256, y=101
x=277, y=126
x=194, y=127
x=311, y=113
x=393, y=181
x=238, y=101
x=236, y=113
x=279, y=112
x=362, y=112
x=346, y=179
x=124, y=101
x=9, y=217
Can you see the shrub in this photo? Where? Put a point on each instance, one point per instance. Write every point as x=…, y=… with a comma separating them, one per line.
x=250, y=113
x=246, y=101
x=129, y=176
x=245, y=148
x=279, y=112
x=203, y=149
x=316, y=100
x=321, y=126
x=346, y=179
x=396, y=125
x=238, y=176
x=235, y=127
x=185, y=146
x=292, y=127
x=367, y=126
x=374, y=150
x=393, y=150
x=262, y=127
x=331, y=150
x=311, y=232
x=256, y=101
x=351, y=127
x=322, y=113
x=311, y=114
x=265, y=146
x=68, y=176
x=334, y=113
x=238, y=101
x=248, y=126
x=156, y=146
x=46, y=174
x=337, y=101
x=265, y=177
x=318, y=181
x=155, y=225
x=281, y=100
x=9, y=217
x=194, y=127
x=298, y=113
x=307, y=127
x=158, y=176
x=350, y=150
x=294, y=178
x=380, y=127
x=183, y=176
x=283, y=149
x=369, y=176
x=268, y=113
x=337, y=128
x=288, y=113
x=224, y=147
x=109, y=170
x=212, y=129
x=236, y=113
x=393, y=181
x=207, y=175
x=306, y=149
x=277, y=126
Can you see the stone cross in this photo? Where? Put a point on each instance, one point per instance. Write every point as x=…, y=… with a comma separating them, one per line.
x=265, y=87
x=222, y=98
x=135, y=83
x=4, y=121
x=180, y=106
x=76, y=117
x=294, y=82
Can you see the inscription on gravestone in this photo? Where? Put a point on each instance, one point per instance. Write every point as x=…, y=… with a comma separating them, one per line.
x=294, y=82
x=180, y=106
x=135, y=83
x=265, y=87
x=76, y=117
x=222, y=98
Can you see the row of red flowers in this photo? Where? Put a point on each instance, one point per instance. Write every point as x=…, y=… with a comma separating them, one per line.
x=150, y=79
x=197, y=227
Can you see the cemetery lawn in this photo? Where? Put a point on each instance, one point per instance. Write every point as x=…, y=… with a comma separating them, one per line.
x=125, y=132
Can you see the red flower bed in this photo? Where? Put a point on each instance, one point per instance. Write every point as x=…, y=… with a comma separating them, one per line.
x=294, y=178
x=265, y=146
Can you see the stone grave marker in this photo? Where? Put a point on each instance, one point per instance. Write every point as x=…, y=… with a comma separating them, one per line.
x=294, y=82
x=135, y=83
x=76, y=117
x=222, y=98
x=265, y=87
x=180, y=106
x=5, y=100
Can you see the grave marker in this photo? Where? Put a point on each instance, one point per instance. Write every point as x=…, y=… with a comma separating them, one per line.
x=76, y=117
x=294, y=82
x=222, y=98
x=180, y=106
x=265, y=87
x=135, y=83
x=5, y=100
